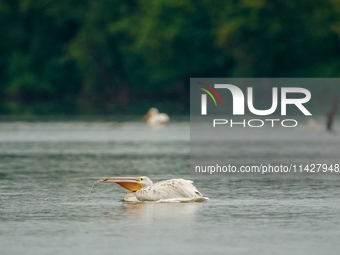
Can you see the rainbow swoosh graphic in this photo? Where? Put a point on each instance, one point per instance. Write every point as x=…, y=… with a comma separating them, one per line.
x=208, y=92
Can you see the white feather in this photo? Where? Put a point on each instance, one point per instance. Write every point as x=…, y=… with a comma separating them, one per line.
x=153, y=117
x=174, y=190
x=159, y=118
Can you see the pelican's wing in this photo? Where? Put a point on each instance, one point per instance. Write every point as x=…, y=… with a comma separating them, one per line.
x=159, y=118
x=169, y=189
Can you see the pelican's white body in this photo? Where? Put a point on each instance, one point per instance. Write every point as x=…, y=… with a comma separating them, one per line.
x=159, y=118
x=174, y=190
x=153, y=117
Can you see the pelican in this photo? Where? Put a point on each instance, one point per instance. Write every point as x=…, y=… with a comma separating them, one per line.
x=153, y=117
x=143, y=189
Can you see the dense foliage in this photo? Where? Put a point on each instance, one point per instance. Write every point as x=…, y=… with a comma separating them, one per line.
x=72, y=56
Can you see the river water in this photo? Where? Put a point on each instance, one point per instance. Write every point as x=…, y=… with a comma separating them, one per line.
x=48, y=168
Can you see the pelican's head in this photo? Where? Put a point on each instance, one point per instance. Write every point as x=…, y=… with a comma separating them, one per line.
x=152, y=111
x=130, y=183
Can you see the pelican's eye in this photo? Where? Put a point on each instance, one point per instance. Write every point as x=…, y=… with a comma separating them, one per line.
x=141, y=179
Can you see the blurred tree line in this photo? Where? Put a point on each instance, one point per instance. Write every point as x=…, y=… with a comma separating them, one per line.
x=110, y=56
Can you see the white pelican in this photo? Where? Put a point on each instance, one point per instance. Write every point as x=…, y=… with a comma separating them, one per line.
x=153, y=117
x=143, y=189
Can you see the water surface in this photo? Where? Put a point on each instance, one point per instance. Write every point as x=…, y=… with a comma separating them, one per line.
x=47, y=169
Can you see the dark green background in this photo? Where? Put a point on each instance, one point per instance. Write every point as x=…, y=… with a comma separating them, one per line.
x=113, y=57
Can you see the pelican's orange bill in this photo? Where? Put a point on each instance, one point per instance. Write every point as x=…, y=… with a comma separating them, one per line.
x=130, y=183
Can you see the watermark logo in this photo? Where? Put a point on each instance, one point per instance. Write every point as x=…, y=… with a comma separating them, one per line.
x=204, y=97
x=239, y=99
x=254, y=126
x=301, y=95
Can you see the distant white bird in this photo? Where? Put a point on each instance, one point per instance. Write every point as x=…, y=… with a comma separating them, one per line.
x=143, y=189
x=311, y=125
x=153, y=117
